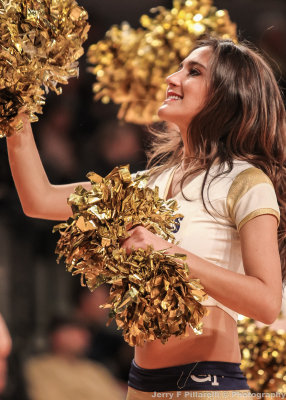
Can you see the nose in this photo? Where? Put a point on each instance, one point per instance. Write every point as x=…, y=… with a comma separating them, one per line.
x=173, y=79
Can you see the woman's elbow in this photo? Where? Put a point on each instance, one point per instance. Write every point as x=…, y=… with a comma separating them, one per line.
x=45, y=211
x=34, y=210
x=31, y=213
x=270, y=313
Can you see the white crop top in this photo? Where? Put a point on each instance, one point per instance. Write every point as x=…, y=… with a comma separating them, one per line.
x=237, y=197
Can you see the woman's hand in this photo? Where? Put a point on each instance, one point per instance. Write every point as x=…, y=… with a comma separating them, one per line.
x=140, y=238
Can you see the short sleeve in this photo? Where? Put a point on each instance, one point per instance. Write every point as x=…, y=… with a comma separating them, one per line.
x=251, y=194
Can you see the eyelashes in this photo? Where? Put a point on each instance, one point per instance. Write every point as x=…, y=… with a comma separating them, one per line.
x=194, y=72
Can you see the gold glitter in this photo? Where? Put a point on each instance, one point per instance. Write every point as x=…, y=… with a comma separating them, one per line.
x=198, y=17
x=263, y=357
x=220, y=13
x=151, y=295
x=40, y=44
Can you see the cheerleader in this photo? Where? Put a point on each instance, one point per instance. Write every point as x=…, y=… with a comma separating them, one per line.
x=224, y=163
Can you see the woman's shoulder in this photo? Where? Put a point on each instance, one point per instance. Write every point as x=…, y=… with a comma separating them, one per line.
x=241, y=171
x=251, y=193
x=245, y=173
x=237, y=167
x=240, y=177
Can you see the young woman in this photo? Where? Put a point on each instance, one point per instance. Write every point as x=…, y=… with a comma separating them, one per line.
x=227, y=153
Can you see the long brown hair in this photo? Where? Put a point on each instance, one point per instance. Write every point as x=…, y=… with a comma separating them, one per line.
x=243, y=117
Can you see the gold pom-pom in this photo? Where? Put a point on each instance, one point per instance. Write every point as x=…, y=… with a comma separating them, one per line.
x=41, y=41
x=131, y=65
x=151, y=295
x=263, y=357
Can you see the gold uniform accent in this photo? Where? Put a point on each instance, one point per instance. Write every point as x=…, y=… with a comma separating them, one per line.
x=242, y=183
x=255, y=213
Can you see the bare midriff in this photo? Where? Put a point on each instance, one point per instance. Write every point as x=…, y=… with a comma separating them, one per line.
x=218, y=342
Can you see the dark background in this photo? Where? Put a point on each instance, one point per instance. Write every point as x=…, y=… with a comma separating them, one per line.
x=74, y=136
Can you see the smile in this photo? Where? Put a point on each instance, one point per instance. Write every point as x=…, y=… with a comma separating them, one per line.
x=173, y=98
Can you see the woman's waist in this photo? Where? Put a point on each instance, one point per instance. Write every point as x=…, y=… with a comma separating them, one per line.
x=218, y=342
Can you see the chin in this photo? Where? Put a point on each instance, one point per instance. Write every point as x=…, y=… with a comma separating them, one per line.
x=165, y=115
x=172, y=124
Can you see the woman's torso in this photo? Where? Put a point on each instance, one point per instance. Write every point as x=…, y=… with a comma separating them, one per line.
x=218, y=342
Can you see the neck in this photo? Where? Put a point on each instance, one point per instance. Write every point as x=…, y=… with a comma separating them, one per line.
x=186, y=158
x=189, y=158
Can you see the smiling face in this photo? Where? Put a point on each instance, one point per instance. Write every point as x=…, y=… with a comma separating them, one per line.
x=187, y=89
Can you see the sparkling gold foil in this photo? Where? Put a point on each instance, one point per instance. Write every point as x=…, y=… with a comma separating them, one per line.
x=131, y=65
x=263, y=353
x=151, y=295
x=41, y=41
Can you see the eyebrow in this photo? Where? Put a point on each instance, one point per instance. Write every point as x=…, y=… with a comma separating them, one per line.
x=192, y=63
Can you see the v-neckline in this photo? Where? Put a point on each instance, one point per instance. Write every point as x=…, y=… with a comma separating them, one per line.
x=170, y=179
x=171, y=176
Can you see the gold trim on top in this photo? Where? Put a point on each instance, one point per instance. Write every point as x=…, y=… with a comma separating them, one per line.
x=256, y=213
x=242, y=183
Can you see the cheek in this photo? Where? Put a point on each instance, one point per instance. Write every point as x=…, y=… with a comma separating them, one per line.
x=203, y=94
x=195, y=103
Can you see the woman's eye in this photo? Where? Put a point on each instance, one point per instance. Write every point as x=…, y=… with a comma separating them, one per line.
x=194, y=72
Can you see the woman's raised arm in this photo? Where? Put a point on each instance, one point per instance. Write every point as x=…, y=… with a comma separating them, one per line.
x=39, y=198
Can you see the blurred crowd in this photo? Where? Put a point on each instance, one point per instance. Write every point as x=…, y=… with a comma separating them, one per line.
x=62, y=348
x=79, y=356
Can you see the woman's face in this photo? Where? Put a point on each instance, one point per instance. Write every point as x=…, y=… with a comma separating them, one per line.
x=187, y=89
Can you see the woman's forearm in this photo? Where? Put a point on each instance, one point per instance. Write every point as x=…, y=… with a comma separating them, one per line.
x=257, y=294
x=247, y=295
x=39, y=198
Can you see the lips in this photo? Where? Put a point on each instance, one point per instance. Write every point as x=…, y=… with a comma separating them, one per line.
x=171, y=95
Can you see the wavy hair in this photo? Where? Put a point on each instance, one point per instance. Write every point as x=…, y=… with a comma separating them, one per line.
x=243, y=118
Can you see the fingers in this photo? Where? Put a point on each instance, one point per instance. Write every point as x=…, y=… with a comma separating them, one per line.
x=126, y=247
x=137, y=229
x=136, y=240
x=129, y=244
